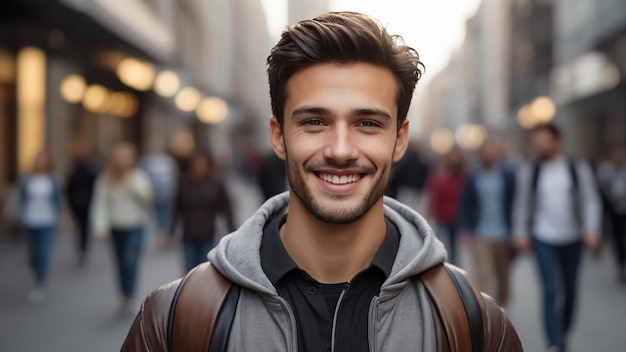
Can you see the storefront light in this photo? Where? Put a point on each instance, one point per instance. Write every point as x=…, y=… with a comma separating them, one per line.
x=166, y=83
x=187, y=99
x=544, y=109
x=96, y=99
x=442, y=141
x=471, y=136
x=212, y=110
x=31, y=104
x=526, y=118
x=123, y=104
x=136, y=74
x=73, y=88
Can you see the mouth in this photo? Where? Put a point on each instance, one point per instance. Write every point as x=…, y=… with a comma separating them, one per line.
x=339, y=179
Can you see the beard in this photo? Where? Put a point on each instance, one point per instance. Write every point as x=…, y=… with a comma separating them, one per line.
x=348, y=214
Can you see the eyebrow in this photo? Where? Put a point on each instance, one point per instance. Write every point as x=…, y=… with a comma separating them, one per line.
x=326, y=111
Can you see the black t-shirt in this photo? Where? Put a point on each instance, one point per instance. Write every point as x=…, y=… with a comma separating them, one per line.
x=315, y=305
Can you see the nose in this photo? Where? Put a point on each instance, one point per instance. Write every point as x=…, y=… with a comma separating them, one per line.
x=340, y=146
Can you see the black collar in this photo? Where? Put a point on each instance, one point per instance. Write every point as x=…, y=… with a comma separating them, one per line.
x=276, y=262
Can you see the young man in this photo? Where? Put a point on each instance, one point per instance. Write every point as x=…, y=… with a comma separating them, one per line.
x=332, y=266
x=485, y=213
x=557, y=212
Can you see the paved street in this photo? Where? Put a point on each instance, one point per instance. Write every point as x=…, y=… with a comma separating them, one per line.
x=80, y=313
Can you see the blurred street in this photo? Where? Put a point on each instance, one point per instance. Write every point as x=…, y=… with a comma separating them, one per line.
x=80, y=313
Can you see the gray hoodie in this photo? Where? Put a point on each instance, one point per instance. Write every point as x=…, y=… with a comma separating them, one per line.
x=400, y=318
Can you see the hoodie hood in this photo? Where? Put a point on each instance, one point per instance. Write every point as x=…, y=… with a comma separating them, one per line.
x=237, y=255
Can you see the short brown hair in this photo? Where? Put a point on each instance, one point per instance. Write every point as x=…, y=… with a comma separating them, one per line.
x=342, y=37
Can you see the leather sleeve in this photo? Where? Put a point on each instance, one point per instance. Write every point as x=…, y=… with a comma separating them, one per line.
x=149, y=329
x=501, y=335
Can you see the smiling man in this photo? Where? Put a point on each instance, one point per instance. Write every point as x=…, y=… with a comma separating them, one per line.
x=331, y=265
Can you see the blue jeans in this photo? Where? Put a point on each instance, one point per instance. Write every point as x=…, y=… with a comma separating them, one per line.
x=558, y=263
x=127, y=247
x=451, y=229
x=40, y=242
x=162, y=212
x=195, y=252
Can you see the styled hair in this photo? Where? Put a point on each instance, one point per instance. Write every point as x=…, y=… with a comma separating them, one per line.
x=549, y=127
x=344, y=38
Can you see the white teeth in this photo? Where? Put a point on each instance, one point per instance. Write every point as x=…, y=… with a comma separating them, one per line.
x=339, y=180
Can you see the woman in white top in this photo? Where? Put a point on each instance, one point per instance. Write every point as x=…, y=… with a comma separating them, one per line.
x=122, y=195
x=40, y=208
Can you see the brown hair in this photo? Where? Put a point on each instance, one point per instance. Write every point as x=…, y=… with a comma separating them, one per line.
x=342, y=37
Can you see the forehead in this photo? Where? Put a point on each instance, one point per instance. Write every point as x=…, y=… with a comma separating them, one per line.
x=353, y=85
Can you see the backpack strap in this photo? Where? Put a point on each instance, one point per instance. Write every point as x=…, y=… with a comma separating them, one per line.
x=461, y=314
x=202, y=311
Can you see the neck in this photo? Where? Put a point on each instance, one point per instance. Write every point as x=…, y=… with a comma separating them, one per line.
x=489, y=166
x=554, y=156
x=332, y=253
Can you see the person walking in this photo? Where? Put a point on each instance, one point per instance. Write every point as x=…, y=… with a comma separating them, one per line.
x=123, y=195
x=162, y=171
x=485, y=214
x=200, y=198
x=556, y=213
x=79, y=192
x=444, y=194
x=41, y=212
x=331, y=265
x=611, y=176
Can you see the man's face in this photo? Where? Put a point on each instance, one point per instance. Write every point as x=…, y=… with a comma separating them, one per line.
x=544, y=144
x=339, y=138
x=489, y=154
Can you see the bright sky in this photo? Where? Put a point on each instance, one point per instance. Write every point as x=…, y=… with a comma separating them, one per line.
x=432, y=27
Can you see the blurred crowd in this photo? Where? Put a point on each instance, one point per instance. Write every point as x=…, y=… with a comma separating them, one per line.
x=117, y=201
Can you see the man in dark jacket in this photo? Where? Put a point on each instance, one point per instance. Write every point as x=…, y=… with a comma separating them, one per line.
x=79, y=189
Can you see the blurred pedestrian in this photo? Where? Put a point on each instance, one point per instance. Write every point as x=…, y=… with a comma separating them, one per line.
x=200, y=198
x=410, y=175
x=485, y=214
x=612, y=181
x=79, y=192
x=123, y=195
x=162, y=170
x=556, y=212
x=41, y=212
x=444, y=194
x=272, y=176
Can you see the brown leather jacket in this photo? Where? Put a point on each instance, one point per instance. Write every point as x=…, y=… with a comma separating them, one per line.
x=149, y=330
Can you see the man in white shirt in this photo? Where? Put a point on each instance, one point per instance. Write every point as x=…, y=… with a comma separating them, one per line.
x=556, y=212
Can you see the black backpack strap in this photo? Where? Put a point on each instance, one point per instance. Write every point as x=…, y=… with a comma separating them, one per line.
x=571, y=163
x=472, y=308
x=224, y=322
x=202, y=311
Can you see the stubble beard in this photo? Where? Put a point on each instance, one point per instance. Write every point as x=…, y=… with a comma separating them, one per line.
x=336, y=216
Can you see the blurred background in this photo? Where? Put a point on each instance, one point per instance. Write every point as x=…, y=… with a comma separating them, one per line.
x=188, y=75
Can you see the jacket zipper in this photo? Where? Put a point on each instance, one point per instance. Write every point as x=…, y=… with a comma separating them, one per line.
x=373, y=317
x=343, y=293
x=292, y=323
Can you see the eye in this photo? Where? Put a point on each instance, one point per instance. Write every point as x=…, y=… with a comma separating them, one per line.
x=313, y=122
x=369, y=123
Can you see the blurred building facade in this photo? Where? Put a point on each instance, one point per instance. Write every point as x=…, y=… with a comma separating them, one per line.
x=189, y=73
x=527, y=61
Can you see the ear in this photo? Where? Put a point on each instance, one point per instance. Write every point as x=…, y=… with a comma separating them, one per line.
x=276, y=138
x=402, y=141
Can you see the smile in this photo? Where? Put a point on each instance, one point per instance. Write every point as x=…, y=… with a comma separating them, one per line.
x=339, y=180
